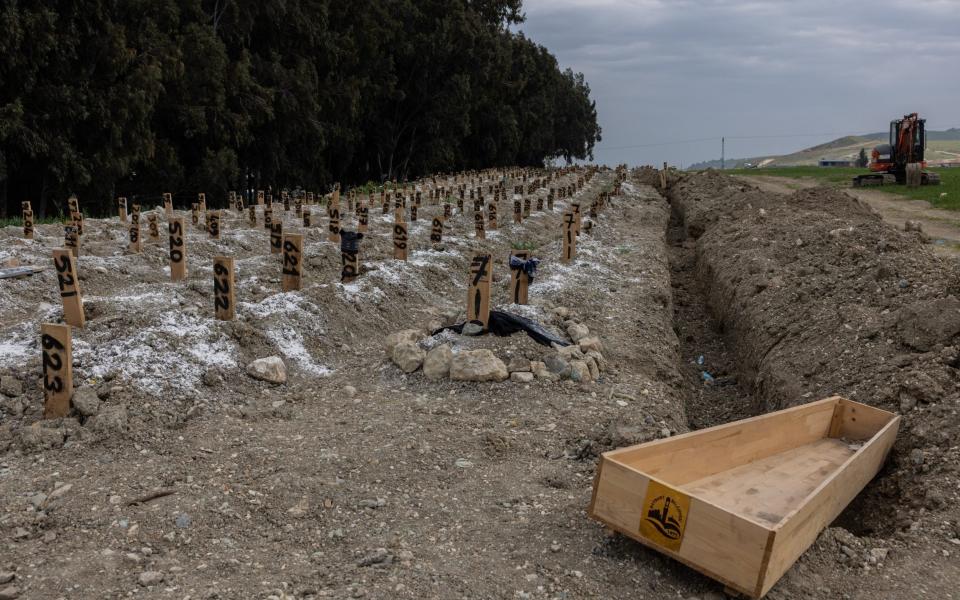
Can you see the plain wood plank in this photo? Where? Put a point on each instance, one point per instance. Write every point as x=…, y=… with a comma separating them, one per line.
x=767, y=489
x=680, y=460
x=800, y=529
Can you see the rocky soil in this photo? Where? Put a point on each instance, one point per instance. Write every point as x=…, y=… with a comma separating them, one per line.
x=297, y=453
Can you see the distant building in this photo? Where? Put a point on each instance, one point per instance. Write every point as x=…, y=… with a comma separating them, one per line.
x=837, y=163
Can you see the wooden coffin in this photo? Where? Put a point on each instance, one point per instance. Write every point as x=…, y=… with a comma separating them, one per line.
x=741, y=502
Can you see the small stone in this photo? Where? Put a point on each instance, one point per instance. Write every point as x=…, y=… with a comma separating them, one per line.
x=379, y=557
x=9, y=593
x=579, y=371
x=182, y=521
x=878, y=555
x=562, y=312
x=665, y=433
x=555, y=547
x=907, y=402
x=110, y=420
x=373, y=503
x=571, y=352
x=407, y=335
x=86, y=401
x=49, y=537
x=472, y=329
x=916, y=456
x=150, y=578
x=462, y=463
x=518, y=364
x=10, y=386
x=577, y=332
x=437, y=363
x=6, y=576
x=212, y=378
x=591, y=344
x=557, y=365
x=37, y=500
x=350, y=391
x=409, y=356
x=521, y=377
x=270, y=369
x=477, y=365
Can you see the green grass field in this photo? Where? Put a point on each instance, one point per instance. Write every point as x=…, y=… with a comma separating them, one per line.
x=950, y=182
x=18, y=221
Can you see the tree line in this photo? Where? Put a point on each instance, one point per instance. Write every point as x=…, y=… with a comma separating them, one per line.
x=107, y=98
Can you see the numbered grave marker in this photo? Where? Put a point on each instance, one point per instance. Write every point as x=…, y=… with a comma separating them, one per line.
x=153, y=228
x=252, y=215
x=447, y=210
x=413, y=213
x=63, y=262
x=178, y=249
x=57, y=352
x=539, y=203
x=122, y=209
x=569, y=231
x=260, y=197
x=71, y=240
x=578, y=216
x=492, y=216
x=517, y=211
x=349, y=256
x=195, y=214
x=276, y=238
x=400, y=240
x=519, y=280
x=385, y=202
x=168, y=204
x=478, y=290
x=478, y=226
x=363, y=218
x=334, y=228
x=268, y=217
x=28, y=222
x=214, y=224
x=292, y=250
x=202, y=200
x=307, y=216
x=526, y=207
x=436, y=230
x=223, y=295
x=135, y=242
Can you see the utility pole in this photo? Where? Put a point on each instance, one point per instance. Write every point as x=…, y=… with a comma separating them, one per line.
x=723, y=155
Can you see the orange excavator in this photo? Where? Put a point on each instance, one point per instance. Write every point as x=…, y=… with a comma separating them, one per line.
x=908, y=139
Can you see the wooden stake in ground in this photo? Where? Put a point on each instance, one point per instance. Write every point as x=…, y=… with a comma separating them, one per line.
x=539, y=203
x=195, y=214
x=569, y=231
x=223, y=295
x=71, y=240
x=168, y=204
x=478, y=290
x=285, y=198
x=400, y=240
x=385, y=202
x=214, y=224
x=63, y=262
x=436, y=230
x=519, y=280
x=153, y=228
x=334, y=223
x=135, y=242
x=276, y=238
x=349, y=256
x=526, y=207
x=27, y=220
x=363, y=218
x=292, y=251
x=122, y=209
x=252, y=215
x=57, y=370
x=202, y=200
x=260, y=197
x=517, y=211
x=178, y=249
x=447, y=210
x=492, y=216
x=267, y=217
x=478, y=225
x=307, y=216
x=578, y=216
x=550, y=198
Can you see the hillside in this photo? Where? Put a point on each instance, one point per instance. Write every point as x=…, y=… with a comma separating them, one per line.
x=941, y=146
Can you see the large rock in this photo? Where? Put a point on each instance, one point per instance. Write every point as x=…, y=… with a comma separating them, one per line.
x=591, y=344
x=407, y=335
x=577, y=332
x=270, y=369
x=437, y=364
x=408, y=356
x=557, y=365
x=926, y=324
x=477, y=365
x=10, y=386
x=35, y=437
x=86, y=401
x=580, y=371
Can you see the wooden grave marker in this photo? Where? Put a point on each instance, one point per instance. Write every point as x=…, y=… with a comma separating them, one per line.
x=517, y=211
x=526, y=207
x=292, y=252
x=223, y=294
x=252, y=215
x=539, y=203
x=276, y=238
x=569, y=231
x=202, y=200
x=478, y=290
x=492, y=216
x=260, y=197
x=27, y=220
x=63, y=262
x=135, y=242
x=519, y=280
x=268, y=217
x=436, y=230
x=334, y=227
x=195, y=214
x=153, y=228
x=363, y=218
x=349, y=256
x=168, y=204
x=178, y=249
x=578, y=216
x=479, y=225
x=413, y=213
x=122, y=209
x=71, y=240
x=447, y=210
x=57, y=352
x=214, y=224
x=307, y=216
x=385, y=202
x=400, y=240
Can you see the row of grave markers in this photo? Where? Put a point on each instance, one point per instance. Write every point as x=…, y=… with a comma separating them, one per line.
x=56, y=340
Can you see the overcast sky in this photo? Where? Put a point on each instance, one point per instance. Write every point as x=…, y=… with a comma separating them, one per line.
x=665, y=71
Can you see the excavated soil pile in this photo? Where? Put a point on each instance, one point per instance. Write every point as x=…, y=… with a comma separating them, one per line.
x=818, y=296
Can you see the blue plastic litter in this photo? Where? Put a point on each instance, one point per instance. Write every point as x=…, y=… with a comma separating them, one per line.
x=700, y=360
x=707, y=377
